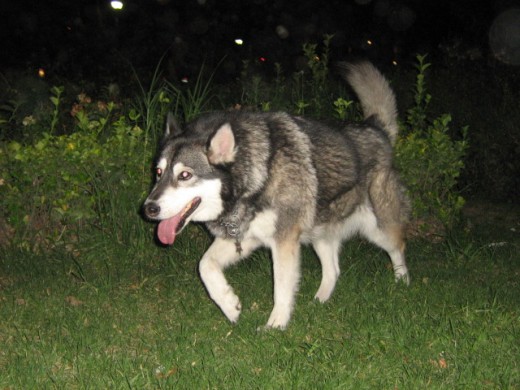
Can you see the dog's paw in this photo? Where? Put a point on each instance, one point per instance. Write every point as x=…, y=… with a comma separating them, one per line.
x=323, y=294
x=278, y=319
x=402, y=278
x=231, y=307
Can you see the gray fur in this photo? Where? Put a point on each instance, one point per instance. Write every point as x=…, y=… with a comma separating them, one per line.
x=284, y=180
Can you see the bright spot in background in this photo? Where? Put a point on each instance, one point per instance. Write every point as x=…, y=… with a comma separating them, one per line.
x=41, y=73
x=504, y=36
x=117, y=5
x=239, y=41
x=282, y=31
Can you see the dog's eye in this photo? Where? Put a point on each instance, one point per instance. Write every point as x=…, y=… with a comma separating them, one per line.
x=185, y=175
x=158, y=172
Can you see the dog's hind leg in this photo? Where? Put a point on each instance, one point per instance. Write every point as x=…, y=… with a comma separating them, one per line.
x=385, y=221
x=390, y=238
x=327, y=250
x=286, y=269
x=221, y=254
x=391, y=241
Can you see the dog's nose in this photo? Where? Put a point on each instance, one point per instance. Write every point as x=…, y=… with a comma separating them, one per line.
x=152, y=210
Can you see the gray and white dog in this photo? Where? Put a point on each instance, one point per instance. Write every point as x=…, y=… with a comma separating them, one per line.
x=278, y=180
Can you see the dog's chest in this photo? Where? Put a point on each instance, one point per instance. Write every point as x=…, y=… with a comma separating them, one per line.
x=240, y=225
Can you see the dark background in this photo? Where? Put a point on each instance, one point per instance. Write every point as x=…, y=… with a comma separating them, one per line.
x=88, y=39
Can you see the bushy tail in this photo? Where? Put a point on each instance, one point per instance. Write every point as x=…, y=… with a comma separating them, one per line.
x=376, y=97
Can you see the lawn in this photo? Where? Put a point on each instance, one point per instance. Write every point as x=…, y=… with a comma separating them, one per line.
x=127, y=313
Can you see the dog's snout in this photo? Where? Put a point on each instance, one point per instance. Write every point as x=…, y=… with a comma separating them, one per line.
x=151, y=210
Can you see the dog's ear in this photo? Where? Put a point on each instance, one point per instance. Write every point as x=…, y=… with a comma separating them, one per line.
x=172, y=126
x=221, y=146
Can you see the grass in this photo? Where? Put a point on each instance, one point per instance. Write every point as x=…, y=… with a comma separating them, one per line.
x=115, y=315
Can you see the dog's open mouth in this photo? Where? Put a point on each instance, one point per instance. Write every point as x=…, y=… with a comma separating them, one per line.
x=168, y=229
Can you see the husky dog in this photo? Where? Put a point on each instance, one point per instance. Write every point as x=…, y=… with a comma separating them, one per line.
x=277, y=180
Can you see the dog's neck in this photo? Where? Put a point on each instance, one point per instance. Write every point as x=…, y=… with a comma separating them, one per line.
x=233, y=223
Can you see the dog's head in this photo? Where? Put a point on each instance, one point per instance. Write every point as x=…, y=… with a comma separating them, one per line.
x=190, y=175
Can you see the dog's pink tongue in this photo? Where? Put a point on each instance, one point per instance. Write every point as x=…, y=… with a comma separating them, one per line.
x=166, y=231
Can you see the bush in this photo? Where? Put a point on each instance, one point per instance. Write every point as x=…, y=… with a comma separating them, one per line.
x=57, y=182
x=429, y=160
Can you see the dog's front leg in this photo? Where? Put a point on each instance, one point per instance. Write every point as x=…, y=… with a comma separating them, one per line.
x=286, y=269
x=221, y=254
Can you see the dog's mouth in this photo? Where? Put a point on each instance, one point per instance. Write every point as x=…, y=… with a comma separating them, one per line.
x=167, y=230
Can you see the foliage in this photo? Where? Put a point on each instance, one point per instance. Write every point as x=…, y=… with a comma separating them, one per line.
x=195, y=100
x=307, y=92
x=314, y=91
x=318, y=64
x=484, y=95
x=23, y=101
x=257, y=92
x=430, y=161
x=55, y=99
x=53, y=183
x=343, y=108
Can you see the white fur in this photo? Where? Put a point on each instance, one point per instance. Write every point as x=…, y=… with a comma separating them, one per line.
x=162, y=164
x=328, y=253
x=174, y=199
x=327, y=243
x=286, y=266
x=286, y=270
x=221, y=254
x=263, y=227
x=365, y=221
x=178, y=168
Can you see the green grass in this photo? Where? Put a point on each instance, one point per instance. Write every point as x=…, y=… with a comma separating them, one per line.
x=117, y=315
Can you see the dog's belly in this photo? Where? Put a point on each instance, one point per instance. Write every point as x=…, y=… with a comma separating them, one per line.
x=341, y=227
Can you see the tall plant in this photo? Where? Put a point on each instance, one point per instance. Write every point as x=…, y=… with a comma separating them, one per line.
x=429, y=159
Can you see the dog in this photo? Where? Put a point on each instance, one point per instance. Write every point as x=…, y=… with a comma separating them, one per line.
x=276, y=180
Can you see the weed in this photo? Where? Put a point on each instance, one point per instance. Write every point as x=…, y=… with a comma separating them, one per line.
x=55, y=99
x=195, y=99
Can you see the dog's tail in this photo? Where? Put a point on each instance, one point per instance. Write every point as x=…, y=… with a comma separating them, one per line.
x=375, y=94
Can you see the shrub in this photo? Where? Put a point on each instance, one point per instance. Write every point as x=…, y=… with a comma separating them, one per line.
x=52, y=184
x=430, y=161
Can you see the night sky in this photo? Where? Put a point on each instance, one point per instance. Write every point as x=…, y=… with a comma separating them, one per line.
x=88, y=39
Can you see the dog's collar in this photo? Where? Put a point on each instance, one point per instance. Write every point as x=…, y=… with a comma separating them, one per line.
x=233, y=224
